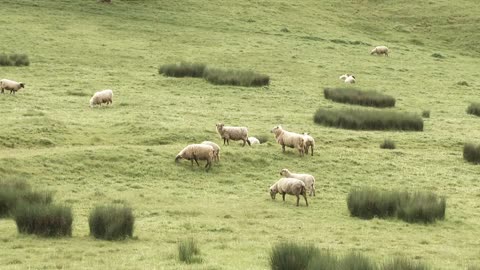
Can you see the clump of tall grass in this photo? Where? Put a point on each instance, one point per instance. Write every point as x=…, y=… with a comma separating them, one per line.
x=357, y=261
x=359, y=97
x=426, y=113
x=401, y=263
x=286, y=256
x=189, y=252
x=474, y=109
x=183, y=69
x=111, y=222
x=14, y=192
x=14, y=60
x=388, y=144
x=235, y=77
x=471, y=153
x=43, y=219
x=423, y=207
x=368, y=119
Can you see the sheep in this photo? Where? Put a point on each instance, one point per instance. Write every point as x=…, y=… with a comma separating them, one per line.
x=197, y=152
x=308, y=179
x=234, y=133
x=216, y=148
x=350, y=79
x=290, y=186
x=344, y=76
x=253, y=140
x=309, y=142
x=10, y=85
x=290, y=139
x=380, y=50
x=105, y=96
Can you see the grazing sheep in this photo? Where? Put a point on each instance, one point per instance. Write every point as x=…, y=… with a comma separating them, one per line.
x=290, y=139
x=105, y=96
x=197, y=152
x=344, y=76
x=308, y=179
x=309, y=142
x=380, y=50
x=350, y=79
x=232, y=133
x=290, y=186
x=253, y=140
x=216, y=149
x=11, y=86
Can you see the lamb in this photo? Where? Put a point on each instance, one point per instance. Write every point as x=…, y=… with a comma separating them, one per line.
x=309, y=142
x=308, y=179
x=233, y=133
x=216, y=149
x=197, y=152
x=350, y=79
x=380, y=50
x=290, y=139
x=105, y=96
x=290, y=186
x=253, y=140
x=11, y=86
x=344, y=76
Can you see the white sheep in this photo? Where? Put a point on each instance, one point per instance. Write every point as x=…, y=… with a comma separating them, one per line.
x=197, y=152
x=232, y=133
x=216, y=149
x=344, y=76
x=105, y=96
x=380, y=50
x=290, y=186
x=308, y=179
x=309, y=142
x=290, y=139
x=350, y=79
x=253, y=140
x=11, y=86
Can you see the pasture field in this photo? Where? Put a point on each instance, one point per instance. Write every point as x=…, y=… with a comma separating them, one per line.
x=125, y=153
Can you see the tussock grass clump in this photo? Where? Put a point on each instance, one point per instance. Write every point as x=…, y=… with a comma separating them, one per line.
x=14, y=60
x=286, y=256
x=354, y=260
x=388, y=144
x=189, y=252
x=423, y=207
x=368, y=119
x=471, y=153
x=111, y=222
x=359, y=97
x=183, y=69
x=13, y=192
x=404, y=264
x=235, y=77
x=44, y=219
x=262, y=138
x=474, y=109
x=426, y=113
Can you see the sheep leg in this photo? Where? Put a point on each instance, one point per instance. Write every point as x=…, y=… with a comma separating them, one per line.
x=195, y=158
x=283, y=148
x=224, y=140
x=283, y=196
x=306, y=150
x=208, y=166
x=298, y=199
x=312, y=150
x=313, y=189
x=249, y=144
x=2, y=91
x=304, y=196
x=243, y=145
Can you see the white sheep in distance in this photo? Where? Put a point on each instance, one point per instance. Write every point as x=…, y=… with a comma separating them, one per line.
x=380, y=50
x=308, y=179
x=216, y=149
x=11, y=86
x=105, y=96
x=309, y=142
x=232, y=133
x=350, y=79
x=197, y=152
x=290, y=186
x=253, y=140
x=344, y=76
x=290, y=139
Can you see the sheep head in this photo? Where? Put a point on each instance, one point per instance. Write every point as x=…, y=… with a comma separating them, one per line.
x=177, y=158
x=273, y=191
x=22, y=85
x=219, y=126
x=284, y=172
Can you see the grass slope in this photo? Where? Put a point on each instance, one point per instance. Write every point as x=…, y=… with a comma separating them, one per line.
x=125, y=153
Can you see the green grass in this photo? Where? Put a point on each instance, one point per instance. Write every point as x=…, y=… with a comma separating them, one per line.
x=46, y=220
x=111, y=222
x=189, y=252
x=183, y=69
x=359, y=97
x=126, y=152
x=388, y=144
x=234, y=77
x=474, y=108
x=15, y=191
x=14, y=59
x=471, y=153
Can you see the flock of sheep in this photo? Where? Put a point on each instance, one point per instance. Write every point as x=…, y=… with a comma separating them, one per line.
x=379, y=50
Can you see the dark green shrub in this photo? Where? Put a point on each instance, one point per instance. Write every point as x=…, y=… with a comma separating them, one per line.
x=14, y=60
x=368, y=119
x=183, y=69
x=368, y=203
x=474, y=109
x=471, y=153
x=13, y=192
x=358, y=97
x=426, y=114
x=189, y=252
x=388, y=144
x=111, y=222
x=423, y=207
x=235, y=77
x=290, y=256
x=356, y=261
x=404, y=264
x=44, y=219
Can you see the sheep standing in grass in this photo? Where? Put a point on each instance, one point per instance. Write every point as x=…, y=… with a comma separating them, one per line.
x=105, y=96
x=309, y=142
x=344, y=76
x=197, y=152
x=380, y=50
x=216, y=149
x=253, y=140
x=308, y=179
x=11, y=86
x=290, y=186
x=232, y=133
x=350, y=79
x=290, y=139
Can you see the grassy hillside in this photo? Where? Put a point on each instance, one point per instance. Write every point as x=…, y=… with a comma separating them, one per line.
x=125, y=153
